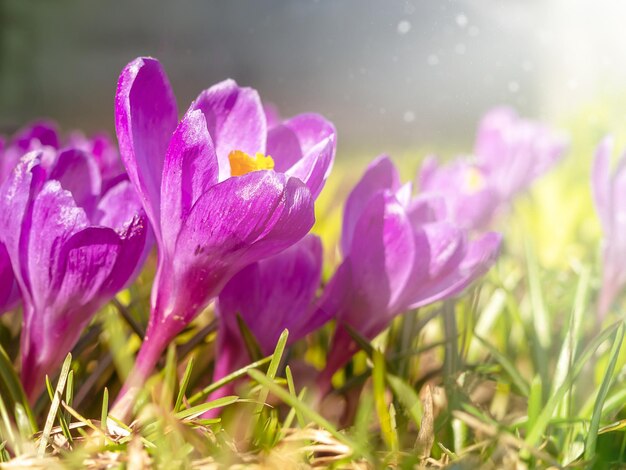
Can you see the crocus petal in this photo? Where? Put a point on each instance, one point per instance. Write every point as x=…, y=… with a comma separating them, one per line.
x=489, y=146
x=278, y=293
x=515, y=151
x=118, y=207
x=9, y=293
x=291, y=140
x=446, y=247
x=79, y=174
x=314, y=168
x=37, y=134
x=145, y=117
x=272, y=115
x=601, y=182
x=235, y=119
x=234, y=223
x=103, y=150
x=55, y=218
x=16, y=199
x=426, y=208
x=480, y=256
x=380, y=175
x=85, y=265
x=121, y=210
x=86, y=262
x=190, y=169
x=428, y=170
x=381, y=259
x=471, y=199
x=618, y=210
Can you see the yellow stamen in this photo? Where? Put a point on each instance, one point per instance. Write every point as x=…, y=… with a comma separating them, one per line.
x=241, y=163
x=474, y=180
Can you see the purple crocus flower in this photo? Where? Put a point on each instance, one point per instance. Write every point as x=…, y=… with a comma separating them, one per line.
x=221, y=189
x=105, y=153
x=43, y=136
x=469, y=195
x=72, y=247
x=270, y=295
x=609, y=192
x=39, y=135
x=513, y=151
x=400, y=253
x=509, y=154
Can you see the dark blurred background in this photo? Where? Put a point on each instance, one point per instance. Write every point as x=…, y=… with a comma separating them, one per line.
x=391, y=73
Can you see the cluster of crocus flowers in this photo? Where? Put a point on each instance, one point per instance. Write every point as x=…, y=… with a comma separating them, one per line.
x=509, y=154
x=72, y=245
x=228, y=191
x=222, y=188
x=43, y=136
x=400, y=252
x=609, y=191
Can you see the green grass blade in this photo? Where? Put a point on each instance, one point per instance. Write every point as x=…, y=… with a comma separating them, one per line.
x=507, y=365
x=407, y=397
x=307, y=412
x=211, y=405
x=205, y=392
x=570, y=343
x=543, y=419
x=384, y=416
x=535, y=402
x=592, y=433
x=105, y=409
x=292, y=389
x=184, y=383
x=541, y=320
x=252, y=345
x=7, y=428
x=54, y=407
x=13, y=385
x=272, y=369
x=169, y=376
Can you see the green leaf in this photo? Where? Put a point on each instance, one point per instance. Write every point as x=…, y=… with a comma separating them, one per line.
x=572, y=335
x=203, y=408
x=307, y=412
x=535, y=402
x=12, y=383
x=105, y=409
x=205, y=392
x=184, y=383
x=407, y=397
x=507, y=365
x=272, y=369
x=54, y=407
x=252, y=345
x=592, y=433
x=384, y=417
x=292, y=390
x=543, y=419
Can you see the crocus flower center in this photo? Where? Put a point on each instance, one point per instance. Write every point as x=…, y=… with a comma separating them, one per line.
x=241, y=163
x=474, y=180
